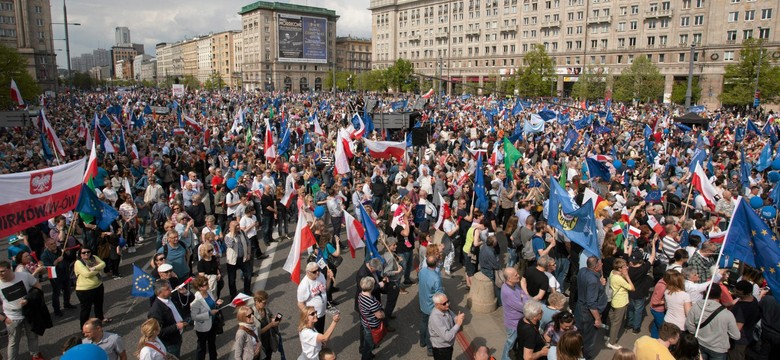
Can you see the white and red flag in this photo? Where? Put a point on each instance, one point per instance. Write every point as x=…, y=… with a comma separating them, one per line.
x=288, y=197
x=31, y=197
x=702, y=184
x=386, y=149
x=355, y=233
x=635, y=231
x=240, y=300
x=341, y=163
x=16, y=95
x=591, y=195
x=444, y=212
x=269, y=148
x=655, y=225
x=303, y=239
x=51, y=135
x=428, y=94
x=191, y=122
x=357, y=134
x=317, y=128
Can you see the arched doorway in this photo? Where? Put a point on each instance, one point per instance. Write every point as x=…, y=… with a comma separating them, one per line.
x=317, y=84
x=304, y=84
x=287, y=83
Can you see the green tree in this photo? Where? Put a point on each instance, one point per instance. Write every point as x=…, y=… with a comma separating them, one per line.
x=641, y=81
x=83, y=81
x=590, y=85
x=341, y=81
x=189, y=82
x=13, y=66
x=537, y=76
x=399, y=76
x=681, y=86
x=374, y=80
x=740, y=78
x=214, y=82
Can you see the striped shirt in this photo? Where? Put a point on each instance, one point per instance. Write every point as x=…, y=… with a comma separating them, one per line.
x=670, y=247
x=368, y=306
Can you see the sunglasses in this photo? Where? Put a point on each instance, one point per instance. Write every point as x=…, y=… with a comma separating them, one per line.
x=445, y=303
x=159, y=259
x=86, y=252
x=313, y=313
x=315, y=271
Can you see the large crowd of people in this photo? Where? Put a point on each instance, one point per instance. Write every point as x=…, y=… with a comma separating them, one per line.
x=215, y=190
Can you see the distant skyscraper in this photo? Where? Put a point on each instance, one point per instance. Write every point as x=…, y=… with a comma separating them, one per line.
x=123, y=36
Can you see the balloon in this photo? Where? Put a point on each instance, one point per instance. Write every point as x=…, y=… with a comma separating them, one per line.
x=231, y=183
x=319, y=211
x=774, y=176
x=768, y=212
x=122, y=241
x=776, y=164
x=617, y=164
x=756, y=202
x=630, y=163
x=85, y=351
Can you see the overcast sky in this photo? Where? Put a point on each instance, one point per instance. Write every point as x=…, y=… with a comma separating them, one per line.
x=156, y=21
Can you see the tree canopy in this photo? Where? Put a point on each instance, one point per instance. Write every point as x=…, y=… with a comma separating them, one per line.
x=590, y=85
x=641, y=81
x=13, y=66
x=740, y=79
x=537, y=75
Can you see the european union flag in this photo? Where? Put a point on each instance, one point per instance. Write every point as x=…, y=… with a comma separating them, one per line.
x=372, y=234
x=147, y=110
x=535, y=125
x=323, y=105
x=752, y=241
x=648, y=132
x=751, y=126
x=653, y=196
x=284, y=143
x=600, y=130
x=579, y=225
x=739, y=134
x=683, y=127
x=584, y=122
x=369, y=122
x=105, y=121
x=698, y=158
x=571, y=139
x=598, y=169
x=610, y=119
x=563, y=119
x=518, y=108
x=481, y=202
x=89, y=204
x=143, y=283
x=765, y=159
x=744, y=170
x=547, y=114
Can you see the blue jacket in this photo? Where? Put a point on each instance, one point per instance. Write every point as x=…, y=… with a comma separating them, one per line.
x=429, y=284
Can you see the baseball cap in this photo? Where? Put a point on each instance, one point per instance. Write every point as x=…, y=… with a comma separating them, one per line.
x=12, y=239
x=164, y=268
x=636, y=256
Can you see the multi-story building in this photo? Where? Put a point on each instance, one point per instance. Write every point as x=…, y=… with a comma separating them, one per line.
x=164, y=60
x=200, y=57
x=353, y=54
x=189, y=51
x=223, y=56
x=122, y=37
x=138, y=63
x=287, y=46
x=102, y=57
x=475, y=41
x=204, y=58
x=238, y=59
x=25, y=25
x=126, y=55
x=149, y=70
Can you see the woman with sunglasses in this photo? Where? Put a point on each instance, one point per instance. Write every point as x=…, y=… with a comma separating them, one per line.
x=204, y=310
x=246, y=345
x=89, y=286
x=208, y=265
x=311, y=340
x=26, y=263
x=267, y=324
x=157, y=260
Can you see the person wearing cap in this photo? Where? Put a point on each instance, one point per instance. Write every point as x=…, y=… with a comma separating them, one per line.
x=165, y=312
x=16, y=245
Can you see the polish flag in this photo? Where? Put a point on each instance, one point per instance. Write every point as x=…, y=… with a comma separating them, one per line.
x=16, y=95
x=591, y=195
x=468, y=107
x=179, y=131
x=602, y=158
x=624, y=215
x=287, y=198
x=51, y=272
x=134, y=152
x=717, y=236
x=355, y=232
x=317, y=129
x=183, y=284
x=268, y=147
x=303, y=240
x=705, y=188
x=386, y=149
x=341, y=165
x=616, y=229
x=463, y=179
x=428, y=94
x=356, y=134
x=444, y=212
x=240, y=300
x=656, y=226
x=634, y=231
x=51, y=135
x=192, y=123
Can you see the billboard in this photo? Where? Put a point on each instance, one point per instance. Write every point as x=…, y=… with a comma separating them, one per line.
x=302, y=38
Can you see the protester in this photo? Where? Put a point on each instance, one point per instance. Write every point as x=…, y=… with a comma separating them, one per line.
x=204, y=315
x=312, y=340
x=266, y=324
x=443, y=326
x=150, y=347
x=169, y=319
x=111, y=343
x=246, y=345
x=89, y=286
x=13, y=303
x=717, y=327
x=647, y=348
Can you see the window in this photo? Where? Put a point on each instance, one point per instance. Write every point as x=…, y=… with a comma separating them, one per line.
x=662, y=40
x=766, y=14
x=683, y=39
x=653, y=7
x=698, y=20
x=747, y=34
x=620, y=59
x=633, y=25
x=6, y=6
x=699, y=3
x=661, y=58
x=630, y=59
x=681, y=57
x=37, y=9
x=621, y=42
x=728, y=56
x=634, y=9
x=594, y=44
x=623, y=10
x=650, y=57
x=621, y=26
x=632, y=41
x=666, y=6
x=685, y=21
x=697, y=39
x=651, y=41
x=763, y=33
x=731, y=35
x=750, y=15
x=733, y=16
x=686, y=4
x=651, y=24
x=664, y=23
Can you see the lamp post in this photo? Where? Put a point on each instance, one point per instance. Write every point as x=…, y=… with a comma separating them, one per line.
x=689, y=90
x=67, y=39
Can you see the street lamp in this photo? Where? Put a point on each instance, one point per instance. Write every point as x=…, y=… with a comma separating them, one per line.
x=67, y=39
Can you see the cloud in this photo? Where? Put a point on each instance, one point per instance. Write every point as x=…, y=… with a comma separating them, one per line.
x=156, y=21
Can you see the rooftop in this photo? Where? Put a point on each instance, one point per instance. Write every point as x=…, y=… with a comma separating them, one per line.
x=277, y=6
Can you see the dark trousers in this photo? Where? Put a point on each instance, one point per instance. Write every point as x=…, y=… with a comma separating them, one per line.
x=407, y=257
x=503, y=216
x=89, y=299
x=392, y=290
x=589, y=332
x=770, y=347
x=366, y=343
x=442, y=353
x=281, y=221
x=320, y=325
x=336, y=221
x=425, y=337
x=268, y=229
x=60, y=285
x=207, y=341
x=246, y=271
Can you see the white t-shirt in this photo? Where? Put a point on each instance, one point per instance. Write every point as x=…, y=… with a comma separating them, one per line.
x=675, y=307
x=148, y=353
x=554, y=284
x=310, y=348
x=249, y=221
x=13, y=292
x=313, y=293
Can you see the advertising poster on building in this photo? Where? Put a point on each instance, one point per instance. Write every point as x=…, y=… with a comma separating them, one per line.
x=302, y=39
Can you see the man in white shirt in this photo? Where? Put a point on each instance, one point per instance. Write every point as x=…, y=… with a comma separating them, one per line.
x=232, y=200
x=14, y=288
x=165, y=312
x=696, y=291
x=312, y=291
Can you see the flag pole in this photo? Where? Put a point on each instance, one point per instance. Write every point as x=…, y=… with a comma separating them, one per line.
x=687, y=200
x=717, y=262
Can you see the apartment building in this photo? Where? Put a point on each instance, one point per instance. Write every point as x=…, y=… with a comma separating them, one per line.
x=353, y=54
x=25, y=25
x=477, y=41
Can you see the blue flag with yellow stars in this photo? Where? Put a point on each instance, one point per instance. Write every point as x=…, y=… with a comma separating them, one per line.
x=143, y=283
x=747, y=234
x=481, y=202
x=89, y=204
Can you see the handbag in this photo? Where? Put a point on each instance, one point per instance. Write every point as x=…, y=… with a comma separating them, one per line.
x=377, y=334
x=218, y=323
x=334, y=261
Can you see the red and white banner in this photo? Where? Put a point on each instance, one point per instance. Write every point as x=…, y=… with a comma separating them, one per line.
x=341, y=163
x=302, y=240
x=287, y=198
x=317, y=128
x=386, y=149
x=16, y=95
x=702, y=184
x=355, y=233
x=192, y=123
x=269, y=148
x=357, y=134
x=591, y=195
x=51, y=135
x=634, y=231
x=428, y=94
x=31, y=197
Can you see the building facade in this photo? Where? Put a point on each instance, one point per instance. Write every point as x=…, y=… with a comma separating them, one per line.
x=25, y=25
x=223, y=57
x=122, y=37
x=286, y=46
x=126, y=55
x=138, y=63
x=353, y=54
x=475, y=41
x=149, y=70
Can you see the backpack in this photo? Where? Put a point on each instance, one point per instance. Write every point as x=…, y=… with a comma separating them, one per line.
x=160, y=219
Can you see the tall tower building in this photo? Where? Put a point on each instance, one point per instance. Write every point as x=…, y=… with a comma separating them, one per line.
x=122, y=35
